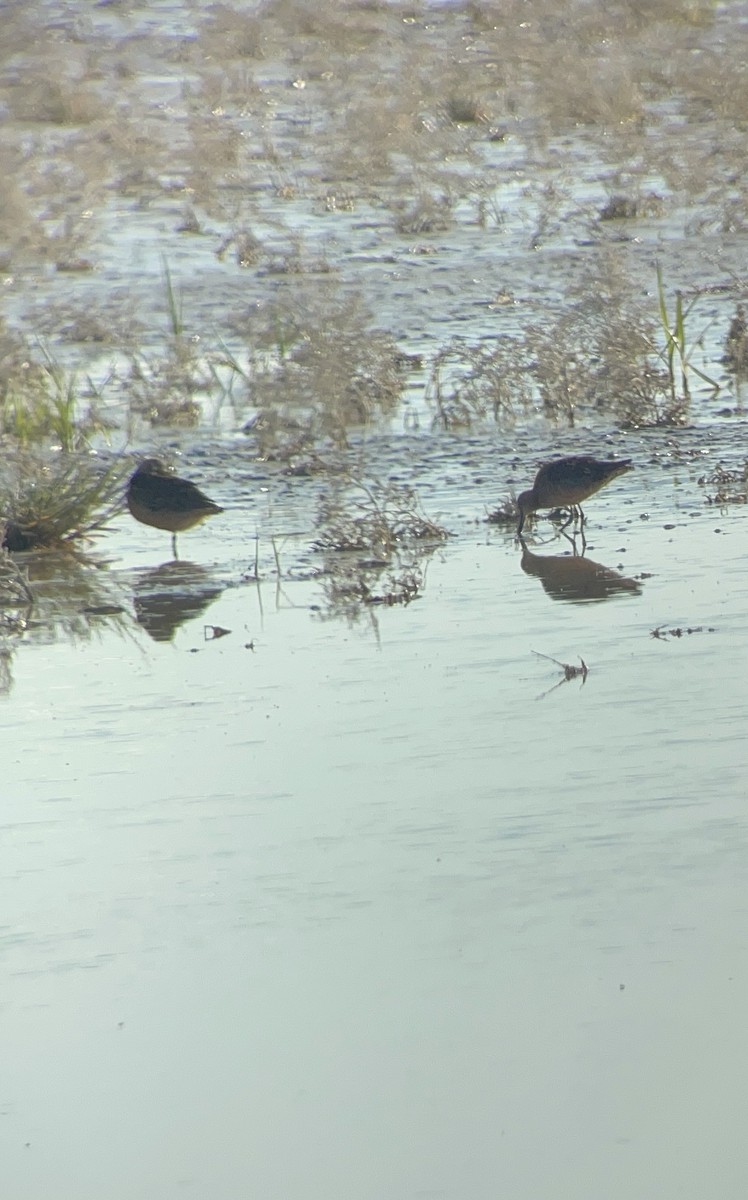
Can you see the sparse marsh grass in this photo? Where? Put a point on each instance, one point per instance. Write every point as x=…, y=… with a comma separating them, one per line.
x=342, y=29
x=161, y=389
x=49, y=500
x=377, y=85
x=369, y=516
x=505, y=514
x=614, y=336
x=375, y=538
x=606, y=355
x=174, y=302
x=470, y=384
x=624, y=207
x=248, y=249
x=384, y=110
x=678, y=349
x=424, y=215
x=318, y=370
x=610, y=95
x=43, y=402
x=15, y=590
x=730, y=485
x=228, y=33
x=216, y=146
x=16, y=222
x=559, y=368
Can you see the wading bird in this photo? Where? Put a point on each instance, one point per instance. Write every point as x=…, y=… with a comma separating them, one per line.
x=566, y=482
x=158, y=498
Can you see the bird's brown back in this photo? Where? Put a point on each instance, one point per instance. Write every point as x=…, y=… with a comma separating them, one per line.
x=157, y=498
x=571, y=480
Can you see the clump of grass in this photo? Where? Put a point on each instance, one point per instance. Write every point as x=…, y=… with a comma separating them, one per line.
x=617, y=344
x=620, y=207
x=174, y=302
x=506, y=513
x=318, y=370
x=165, y=405
x=16, y=597
x=161, y=390
x=49, y=501
x=6, y=672
x=602, y=356
x=375, y=517
x=375, y=537
x=426, y=214
x=560, y=369
x=731, y=485
x=661, y=634
x=42, y=402
x=227, y=33
x=469, y=384
x=248, y=249
x=624, y=375
x=677, y=351
x=569, y=669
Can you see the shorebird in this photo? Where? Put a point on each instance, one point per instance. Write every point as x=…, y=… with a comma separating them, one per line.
x=566, y=482
x=158, y=498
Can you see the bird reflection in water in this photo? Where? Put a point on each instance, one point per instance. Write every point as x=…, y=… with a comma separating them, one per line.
x=575, y=578
x=168, y=596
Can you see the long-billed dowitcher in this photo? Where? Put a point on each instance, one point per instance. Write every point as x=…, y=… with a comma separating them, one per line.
x=566, y=482
x=158, y=498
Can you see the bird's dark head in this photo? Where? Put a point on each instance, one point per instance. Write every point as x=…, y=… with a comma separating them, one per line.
x=152, y=466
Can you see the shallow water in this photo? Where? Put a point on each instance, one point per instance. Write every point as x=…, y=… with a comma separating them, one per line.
x=313, y=910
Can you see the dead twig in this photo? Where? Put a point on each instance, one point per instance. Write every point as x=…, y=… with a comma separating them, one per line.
x=569, y=670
